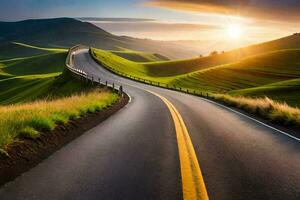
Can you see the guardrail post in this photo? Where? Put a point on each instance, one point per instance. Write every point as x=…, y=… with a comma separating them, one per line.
x=92, y=80
x=99, y=80
x=187, y=90
x=106, y=83
x=121, y=90
x=113, y=86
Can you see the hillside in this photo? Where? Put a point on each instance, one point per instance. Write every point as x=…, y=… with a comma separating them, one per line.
x=139, y=56
x=37, y=75
x=251, y=72
x=182, y=66
x=10, y=50
x=38, y=93
x=190, y=65
x=67, y=32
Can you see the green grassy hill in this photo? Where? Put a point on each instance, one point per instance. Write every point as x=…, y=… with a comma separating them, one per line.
x=10, y=50
x=139, y=56
x=247, y=76
x=250, y=72
x=37, y=75
x=178, y=67
x=140, y=64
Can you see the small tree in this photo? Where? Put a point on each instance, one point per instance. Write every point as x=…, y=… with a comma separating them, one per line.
x=213, y=53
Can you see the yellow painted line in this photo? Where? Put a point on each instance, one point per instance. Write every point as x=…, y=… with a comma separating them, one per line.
x=193, y=185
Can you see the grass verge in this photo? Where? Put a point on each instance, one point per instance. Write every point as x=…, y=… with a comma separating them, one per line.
x=31, y=119
x=277, y=112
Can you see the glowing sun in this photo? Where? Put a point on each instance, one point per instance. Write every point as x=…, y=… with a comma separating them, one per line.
x=234, y=31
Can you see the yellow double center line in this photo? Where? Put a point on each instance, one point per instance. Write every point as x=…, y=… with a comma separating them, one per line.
x=193, y=185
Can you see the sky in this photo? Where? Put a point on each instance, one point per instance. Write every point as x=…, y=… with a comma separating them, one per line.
x=203, y=20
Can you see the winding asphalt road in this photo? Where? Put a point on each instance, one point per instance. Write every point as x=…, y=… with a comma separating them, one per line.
x=134, y=154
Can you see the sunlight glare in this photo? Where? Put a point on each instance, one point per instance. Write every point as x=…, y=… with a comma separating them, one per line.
x=234, y=31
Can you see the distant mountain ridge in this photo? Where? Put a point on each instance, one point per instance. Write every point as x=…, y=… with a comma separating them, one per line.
x=67, y=32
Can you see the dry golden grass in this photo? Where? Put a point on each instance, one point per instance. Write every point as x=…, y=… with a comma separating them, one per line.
x=275, y=111
x=29, y=119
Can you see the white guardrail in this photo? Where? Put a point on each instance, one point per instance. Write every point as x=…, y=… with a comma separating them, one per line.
x=84, y=76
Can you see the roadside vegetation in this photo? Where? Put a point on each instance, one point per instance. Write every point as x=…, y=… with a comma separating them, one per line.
x=29, y=120
x=267, y=84
x=38, y=93
x=277, y=112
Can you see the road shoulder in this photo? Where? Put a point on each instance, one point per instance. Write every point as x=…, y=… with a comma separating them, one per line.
x=28, y=153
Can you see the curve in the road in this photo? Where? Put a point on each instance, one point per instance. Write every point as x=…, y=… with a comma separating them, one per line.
x=134, y=154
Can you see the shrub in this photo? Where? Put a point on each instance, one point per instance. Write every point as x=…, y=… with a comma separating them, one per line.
x=29, y=132
x=41, y=123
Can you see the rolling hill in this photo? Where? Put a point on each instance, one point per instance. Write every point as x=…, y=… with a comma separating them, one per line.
x=263, y=74
x=41, y=93
x=67, y=32
x=250, y=72
x=10, y=50
x=139, y=56
x=234, y=72
x=182, y=66
x=40, y=74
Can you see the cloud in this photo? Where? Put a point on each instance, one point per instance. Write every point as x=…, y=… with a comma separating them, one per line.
x=156, y=26
x=158, y=30
x=278, y=10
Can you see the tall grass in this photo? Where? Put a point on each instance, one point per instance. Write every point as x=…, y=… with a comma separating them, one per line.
x=275, y=111
x=30, y=119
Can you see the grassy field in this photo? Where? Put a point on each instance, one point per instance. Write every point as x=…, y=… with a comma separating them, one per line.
x=13, y=50
x=150, y=68
x=139, y=56
x=40, y=116
x=251, y=72
x=37, y=92
x=254, y=76
x=24, y=79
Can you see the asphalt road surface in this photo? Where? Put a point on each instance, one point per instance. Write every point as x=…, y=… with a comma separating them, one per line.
x=134, y=153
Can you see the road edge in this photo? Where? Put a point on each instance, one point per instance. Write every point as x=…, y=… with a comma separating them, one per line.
x=28, y=153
